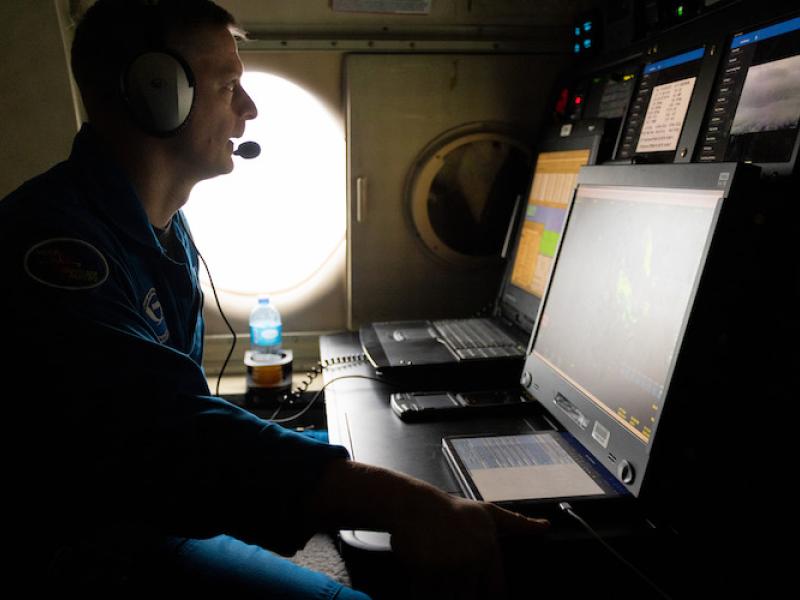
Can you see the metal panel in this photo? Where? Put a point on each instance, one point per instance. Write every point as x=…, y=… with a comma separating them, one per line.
x=396, y=106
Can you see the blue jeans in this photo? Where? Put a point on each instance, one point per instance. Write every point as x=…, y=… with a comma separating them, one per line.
x=237, y=570
x=124, y=567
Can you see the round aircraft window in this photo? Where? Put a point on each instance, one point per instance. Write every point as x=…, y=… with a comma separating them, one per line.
x=463, y=190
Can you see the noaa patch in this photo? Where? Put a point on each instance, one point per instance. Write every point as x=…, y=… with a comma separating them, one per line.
x=155, y=313
x=66, y=264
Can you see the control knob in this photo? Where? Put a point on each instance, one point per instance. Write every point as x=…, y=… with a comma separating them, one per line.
x=626, y=472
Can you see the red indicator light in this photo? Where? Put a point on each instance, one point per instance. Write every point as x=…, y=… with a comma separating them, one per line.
x=578, y=100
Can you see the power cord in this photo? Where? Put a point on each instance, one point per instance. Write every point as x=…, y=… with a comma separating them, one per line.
x=219, y=306
x=310, y=376
x=317, y=395
x=320, y=366
x=567, y=508
x=224, y=318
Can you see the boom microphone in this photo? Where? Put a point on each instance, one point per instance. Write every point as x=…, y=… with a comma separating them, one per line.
x=248, y=150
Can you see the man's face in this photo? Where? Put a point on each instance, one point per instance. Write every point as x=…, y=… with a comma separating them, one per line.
x=221, y=106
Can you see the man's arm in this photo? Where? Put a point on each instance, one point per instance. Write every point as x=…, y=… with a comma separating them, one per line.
x=449, y=543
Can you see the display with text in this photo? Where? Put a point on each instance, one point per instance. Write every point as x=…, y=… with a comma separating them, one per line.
x=659, y=108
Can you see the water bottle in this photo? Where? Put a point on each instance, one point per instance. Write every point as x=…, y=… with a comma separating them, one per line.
x=266, y=329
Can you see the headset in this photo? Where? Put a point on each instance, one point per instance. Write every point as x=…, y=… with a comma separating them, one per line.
x=158, y=87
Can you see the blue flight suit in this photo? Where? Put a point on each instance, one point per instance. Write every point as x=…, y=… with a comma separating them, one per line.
x=115, y=435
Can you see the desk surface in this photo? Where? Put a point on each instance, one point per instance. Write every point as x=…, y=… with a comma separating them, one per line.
x=359, y=418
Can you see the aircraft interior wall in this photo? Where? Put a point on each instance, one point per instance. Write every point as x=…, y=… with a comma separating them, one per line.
x=38, y=113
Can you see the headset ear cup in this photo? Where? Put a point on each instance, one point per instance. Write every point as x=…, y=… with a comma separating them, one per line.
x=159, y=89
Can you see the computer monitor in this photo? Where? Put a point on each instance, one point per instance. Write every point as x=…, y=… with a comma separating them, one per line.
x=659, y=108
x=603, y=354
x=552, y=185
x=754, y=115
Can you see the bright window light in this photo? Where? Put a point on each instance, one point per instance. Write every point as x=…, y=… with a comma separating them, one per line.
x=276, y=223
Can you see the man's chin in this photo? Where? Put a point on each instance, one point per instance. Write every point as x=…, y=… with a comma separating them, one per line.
x=212, y=171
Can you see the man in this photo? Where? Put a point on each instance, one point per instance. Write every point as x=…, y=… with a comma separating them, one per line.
x=129, y=475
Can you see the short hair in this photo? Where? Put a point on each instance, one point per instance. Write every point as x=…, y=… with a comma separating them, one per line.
x=113, y=32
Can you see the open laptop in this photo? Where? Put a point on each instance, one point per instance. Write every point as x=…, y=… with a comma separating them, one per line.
x=497, y=342
x=640, y=248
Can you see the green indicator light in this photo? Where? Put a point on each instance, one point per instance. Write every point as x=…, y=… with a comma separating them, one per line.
x=680, y=10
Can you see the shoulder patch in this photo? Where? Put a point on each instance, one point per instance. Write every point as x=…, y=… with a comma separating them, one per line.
x=66, y=264
x=155, y=313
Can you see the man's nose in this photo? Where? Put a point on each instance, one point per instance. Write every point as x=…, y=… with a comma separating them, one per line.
x=248, y=108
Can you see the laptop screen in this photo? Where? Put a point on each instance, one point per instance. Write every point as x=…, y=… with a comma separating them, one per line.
x=616, y=310
x=554, y=180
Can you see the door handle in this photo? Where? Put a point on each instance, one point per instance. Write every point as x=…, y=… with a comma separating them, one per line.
x=361, y=199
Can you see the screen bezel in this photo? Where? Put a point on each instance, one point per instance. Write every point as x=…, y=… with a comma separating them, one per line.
x=547, y=385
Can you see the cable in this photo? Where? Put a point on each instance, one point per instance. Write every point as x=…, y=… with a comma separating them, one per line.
x=324, y=364
x=224, y=318
x=319, y=392
x=219, y=306
x=567, y=508
x=312, y=375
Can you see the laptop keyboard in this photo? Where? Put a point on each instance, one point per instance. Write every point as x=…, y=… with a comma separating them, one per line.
x=477, y=338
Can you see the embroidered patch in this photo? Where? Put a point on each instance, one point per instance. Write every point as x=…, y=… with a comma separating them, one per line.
x=154, y=312
x=66, y=264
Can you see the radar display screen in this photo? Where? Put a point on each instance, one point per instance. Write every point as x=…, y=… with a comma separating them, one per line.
x=620, y=296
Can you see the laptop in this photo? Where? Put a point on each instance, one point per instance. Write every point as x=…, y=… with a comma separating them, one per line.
x=641, y=246
x=496, y=344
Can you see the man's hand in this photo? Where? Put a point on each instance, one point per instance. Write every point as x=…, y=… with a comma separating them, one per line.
x=449, y=546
